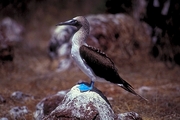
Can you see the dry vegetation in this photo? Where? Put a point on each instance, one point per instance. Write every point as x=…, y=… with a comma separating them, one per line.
x=31, y=74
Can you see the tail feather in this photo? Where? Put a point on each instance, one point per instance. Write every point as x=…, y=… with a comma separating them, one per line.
x=129, y=88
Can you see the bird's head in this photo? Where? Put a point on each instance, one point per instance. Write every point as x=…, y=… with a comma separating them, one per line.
x=82, y=31
x=78, y=22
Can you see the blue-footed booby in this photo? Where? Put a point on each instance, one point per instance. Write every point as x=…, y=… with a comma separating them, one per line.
x=93, y=62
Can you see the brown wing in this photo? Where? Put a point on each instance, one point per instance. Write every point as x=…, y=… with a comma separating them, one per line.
x=101, y=65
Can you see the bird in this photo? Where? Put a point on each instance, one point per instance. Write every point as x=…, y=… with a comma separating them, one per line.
x=92, y=61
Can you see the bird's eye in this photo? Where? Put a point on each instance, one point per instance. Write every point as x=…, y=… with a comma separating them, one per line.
x=75, y=21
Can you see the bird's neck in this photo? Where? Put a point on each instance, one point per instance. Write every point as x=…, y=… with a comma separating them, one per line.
x=79, y=37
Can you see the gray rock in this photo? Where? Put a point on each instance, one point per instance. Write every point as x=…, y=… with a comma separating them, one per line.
x=129, y=116
x=3, y=118
x=20, y=96
x=12, y=29
x=11, y=33
x=75, y=105
x=18, y=113
x=82, y=105
x=2, y=100
x=48, y=104
x=59, y=46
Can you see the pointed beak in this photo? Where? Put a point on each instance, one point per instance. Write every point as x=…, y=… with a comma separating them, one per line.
x=69, y=22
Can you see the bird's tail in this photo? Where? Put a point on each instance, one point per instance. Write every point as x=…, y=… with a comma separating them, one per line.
x=129, y=88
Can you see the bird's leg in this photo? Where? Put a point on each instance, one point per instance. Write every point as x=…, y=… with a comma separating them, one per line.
x=85, y=87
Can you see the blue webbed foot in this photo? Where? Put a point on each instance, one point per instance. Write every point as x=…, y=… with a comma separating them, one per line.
x=83, y=87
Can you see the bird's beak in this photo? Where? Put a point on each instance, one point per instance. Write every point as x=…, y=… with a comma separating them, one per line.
x=69, y=22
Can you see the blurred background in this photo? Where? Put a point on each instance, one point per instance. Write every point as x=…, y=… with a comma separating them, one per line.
x=141, y=36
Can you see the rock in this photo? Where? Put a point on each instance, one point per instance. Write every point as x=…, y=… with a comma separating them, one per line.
x=129, y=116
x=11, y=33
x=144, y=89
x=48, y=104
x=59, y=46
x=12, y=29
x=20, y=96
x=82, y=105
x=3, y=118
x=2, y=100
x=75, y=105
x=64, y=64
x=18, y=113
x=90, y=105
x=6, y=48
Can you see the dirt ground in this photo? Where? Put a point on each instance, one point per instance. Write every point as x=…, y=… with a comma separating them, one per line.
x=31, y=73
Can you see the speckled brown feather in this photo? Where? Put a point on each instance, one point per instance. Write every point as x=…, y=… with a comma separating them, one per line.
x=101, y=64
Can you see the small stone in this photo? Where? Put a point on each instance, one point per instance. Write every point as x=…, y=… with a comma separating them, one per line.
x=20, y=96
x=144, y=89
x=2, y=100
x=3, y=118
x=129, y=116
x=17, y=113
x=12, y=29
